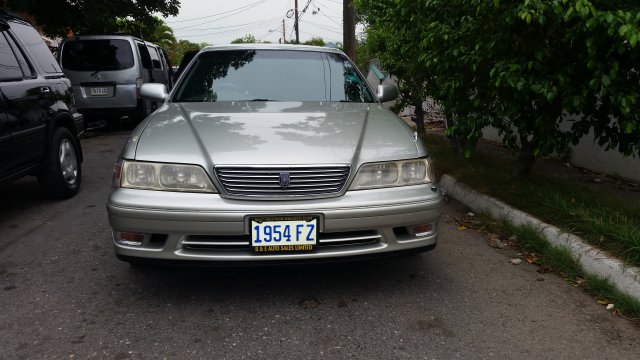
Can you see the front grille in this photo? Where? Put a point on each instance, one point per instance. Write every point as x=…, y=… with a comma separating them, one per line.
x=266, y=181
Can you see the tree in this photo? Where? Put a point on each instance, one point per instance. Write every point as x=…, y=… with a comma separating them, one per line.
x=58, y=17
x=182, y=46
x=543, y=72
x=315, y=41
x=154, y=30
x=387, y=39
x=349, y=28
x=248, y=39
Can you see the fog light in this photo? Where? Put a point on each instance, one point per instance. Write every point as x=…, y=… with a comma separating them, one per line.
x=420, y=230
x=129, y=238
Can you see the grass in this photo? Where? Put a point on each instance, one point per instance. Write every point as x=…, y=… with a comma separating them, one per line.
x=560, y=260
x=606, y=221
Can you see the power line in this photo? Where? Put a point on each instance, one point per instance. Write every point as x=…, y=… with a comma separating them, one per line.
x=335, y=22
x=325, y=27
x=248, y=28
x=304, y=10
x=212, y=15
x=336, y=13
x=232, y=26
x=223, y=17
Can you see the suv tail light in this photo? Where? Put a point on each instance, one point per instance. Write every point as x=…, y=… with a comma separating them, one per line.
x=138, y=85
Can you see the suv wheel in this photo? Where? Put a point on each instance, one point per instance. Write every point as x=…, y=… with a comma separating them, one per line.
x=62, y=174
x=143, y=109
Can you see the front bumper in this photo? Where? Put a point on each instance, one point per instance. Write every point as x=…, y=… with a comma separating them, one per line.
x=356, y=224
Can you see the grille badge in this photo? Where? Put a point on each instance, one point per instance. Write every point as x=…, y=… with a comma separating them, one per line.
x=285, y=180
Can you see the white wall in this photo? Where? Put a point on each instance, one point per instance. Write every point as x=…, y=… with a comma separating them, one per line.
x=587, y=154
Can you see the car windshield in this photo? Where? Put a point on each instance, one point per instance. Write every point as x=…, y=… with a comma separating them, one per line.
x=92, y=55
x=272, y=75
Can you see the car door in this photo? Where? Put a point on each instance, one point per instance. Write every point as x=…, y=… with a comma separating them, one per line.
x=26, y=103
x=5, y=141
x=10, y=76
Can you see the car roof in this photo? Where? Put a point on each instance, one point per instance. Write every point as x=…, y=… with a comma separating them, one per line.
x=272, y=47
x=102, y=37
x=10, y=16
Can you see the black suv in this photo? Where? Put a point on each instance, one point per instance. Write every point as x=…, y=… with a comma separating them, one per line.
x=39, y=125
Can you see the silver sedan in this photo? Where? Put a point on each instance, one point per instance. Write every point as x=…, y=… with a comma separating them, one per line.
x=272, y=153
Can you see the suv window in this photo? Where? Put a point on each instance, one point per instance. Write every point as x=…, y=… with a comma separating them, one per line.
x=144, y=56
x=9, y=66
x=92, y=55
x=34, y=45
x=155, y=59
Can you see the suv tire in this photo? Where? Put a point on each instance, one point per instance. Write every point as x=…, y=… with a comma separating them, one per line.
x=61, y=176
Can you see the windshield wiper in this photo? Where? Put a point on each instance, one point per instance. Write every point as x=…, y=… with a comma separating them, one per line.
x=259, y=99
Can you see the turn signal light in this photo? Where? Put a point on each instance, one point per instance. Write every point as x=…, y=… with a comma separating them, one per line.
x=420, y=230
x=129, y=238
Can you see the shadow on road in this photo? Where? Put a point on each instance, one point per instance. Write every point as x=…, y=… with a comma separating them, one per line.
x=306, y=285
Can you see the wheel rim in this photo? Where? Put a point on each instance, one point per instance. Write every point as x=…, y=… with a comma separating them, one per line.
x=68, y=162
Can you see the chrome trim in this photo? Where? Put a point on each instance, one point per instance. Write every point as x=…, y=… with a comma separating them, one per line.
x=306, y=181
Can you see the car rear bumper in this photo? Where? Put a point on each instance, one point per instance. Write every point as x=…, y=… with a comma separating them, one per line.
x=366, y=223
x=122, y=96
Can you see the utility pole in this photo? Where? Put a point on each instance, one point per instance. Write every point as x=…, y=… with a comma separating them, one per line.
x=296, y=25
x=349, y=29
x=284, y=34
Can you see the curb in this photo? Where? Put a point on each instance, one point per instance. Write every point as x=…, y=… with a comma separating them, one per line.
x=593, y=260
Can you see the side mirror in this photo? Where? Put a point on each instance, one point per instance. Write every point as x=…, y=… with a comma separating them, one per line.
x=387, y=92
x=154, y=91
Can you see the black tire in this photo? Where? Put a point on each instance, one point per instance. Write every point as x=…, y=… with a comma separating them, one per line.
x=143, y=110
x=62, y=174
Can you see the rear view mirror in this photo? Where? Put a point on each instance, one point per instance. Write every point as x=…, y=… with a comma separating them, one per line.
x=154, y=91
x=387, y=92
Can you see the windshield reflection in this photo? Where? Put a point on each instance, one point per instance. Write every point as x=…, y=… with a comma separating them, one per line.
x=272, y=75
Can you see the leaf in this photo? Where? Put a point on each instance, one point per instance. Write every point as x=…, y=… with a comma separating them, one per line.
x=623, y=29
x=629, y=128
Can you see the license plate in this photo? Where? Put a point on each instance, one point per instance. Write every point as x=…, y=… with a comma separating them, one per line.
x=287, y=234
x=98, y=91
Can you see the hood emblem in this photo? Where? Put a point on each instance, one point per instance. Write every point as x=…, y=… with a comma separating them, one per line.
x=285, y=180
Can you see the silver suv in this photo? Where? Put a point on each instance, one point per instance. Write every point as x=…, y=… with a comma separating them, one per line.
x=107, y=71
x=39, y=125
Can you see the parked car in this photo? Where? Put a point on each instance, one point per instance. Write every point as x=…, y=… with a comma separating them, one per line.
x=268, y=153
x=39, y=124
x=106, y=72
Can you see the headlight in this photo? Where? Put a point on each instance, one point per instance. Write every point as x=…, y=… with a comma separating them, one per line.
x=393, y=173
x=164, y=177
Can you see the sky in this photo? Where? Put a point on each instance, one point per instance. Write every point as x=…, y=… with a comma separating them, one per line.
x=221, y=21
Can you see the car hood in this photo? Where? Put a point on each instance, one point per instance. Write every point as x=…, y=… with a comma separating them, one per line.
x=273, y=133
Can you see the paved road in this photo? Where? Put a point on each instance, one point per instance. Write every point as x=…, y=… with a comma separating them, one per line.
x=64, y=295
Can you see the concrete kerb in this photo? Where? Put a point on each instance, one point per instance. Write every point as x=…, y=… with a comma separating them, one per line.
x=592, y=260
